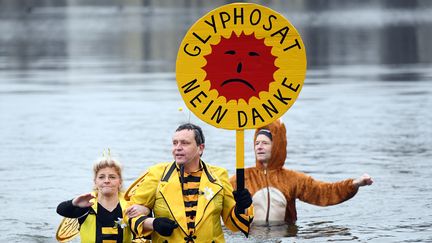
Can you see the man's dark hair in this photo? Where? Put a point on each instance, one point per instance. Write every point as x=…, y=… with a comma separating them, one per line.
x=199, y=136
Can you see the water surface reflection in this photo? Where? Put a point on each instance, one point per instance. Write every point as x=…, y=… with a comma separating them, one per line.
x=76, y=78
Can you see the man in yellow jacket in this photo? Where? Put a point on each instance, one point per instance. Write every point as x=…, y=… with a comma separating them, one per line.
x=188, y=196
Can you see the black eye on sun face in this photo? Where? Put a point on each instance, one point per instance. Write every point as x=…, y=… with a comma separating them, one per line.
x=251, y=53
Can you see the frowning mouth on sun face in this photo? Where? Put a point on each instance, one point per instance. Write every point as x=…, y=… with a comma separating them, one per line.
x=240, y=67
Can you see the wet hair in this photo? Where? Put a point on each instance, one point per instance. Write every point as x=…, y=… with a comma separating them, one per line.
x=199, y=136
x=266, y=133
x=107, y=162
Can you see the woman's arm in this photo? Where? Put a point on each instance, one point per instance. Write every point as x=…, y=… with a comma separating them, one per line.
x=76, y=207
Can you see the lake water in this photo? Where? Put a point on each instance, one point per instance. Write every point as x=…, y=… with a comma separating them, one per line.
x=77, y=79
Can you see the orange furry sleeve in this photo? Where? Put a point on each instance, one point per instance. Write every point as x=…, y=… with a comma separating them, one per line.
x=324, y=193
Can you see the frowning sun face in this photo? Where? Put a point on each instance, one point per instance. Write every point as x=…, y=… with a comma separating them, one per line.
x=239, y=67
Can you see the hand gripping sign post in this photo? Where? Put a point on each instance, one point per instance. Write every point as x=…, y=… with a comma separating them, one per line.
x=241, y=66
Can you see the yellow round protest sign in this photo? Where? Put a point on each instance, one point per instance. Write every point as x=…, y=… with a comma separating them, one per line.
x=241, y=66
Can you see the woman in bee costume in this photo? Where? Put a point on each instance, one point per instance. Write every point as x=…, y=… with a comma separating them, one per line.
x=100, y=214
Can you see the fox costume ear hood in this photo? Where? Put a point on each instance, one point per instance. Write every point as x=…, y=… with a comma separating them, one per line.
x=279, y=145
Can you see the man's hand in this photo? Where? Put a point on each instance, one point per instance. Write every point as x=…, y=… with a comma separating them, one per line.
x=243, y=200
x=164, y=226
x=364, y=180
x=83, y=200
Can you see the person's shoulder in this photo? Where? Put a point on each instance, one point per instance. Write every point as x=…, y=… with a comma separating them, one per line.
x=158, y=169
x=216, y=171
x=292, y=171
x=215, y=168
x=160, y=165
x=251, y=169
x=295, y=174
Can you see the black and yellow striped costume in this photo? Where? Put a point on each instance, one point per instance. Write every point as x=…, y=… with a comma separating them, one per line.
x=97, y=225
x=206, y=197
x=191, y=183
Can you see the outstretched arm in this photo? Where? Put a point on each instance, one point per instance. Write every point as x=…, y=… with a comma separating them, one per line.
x=326, y=193
x=364, y=180
x=322, y=193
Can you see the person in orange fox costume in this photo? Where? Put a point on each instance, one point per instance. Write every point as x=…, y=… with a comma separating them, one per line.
x=275, y=189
